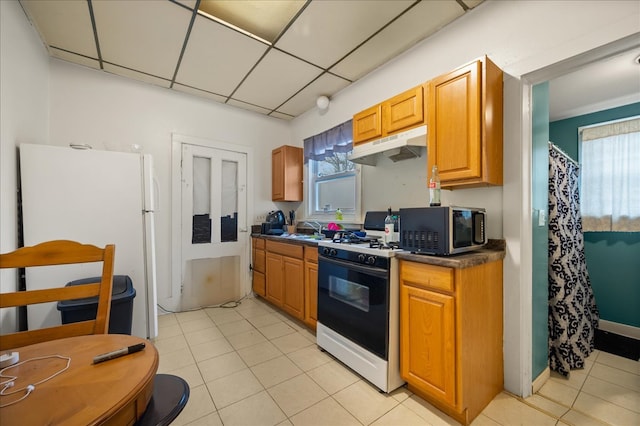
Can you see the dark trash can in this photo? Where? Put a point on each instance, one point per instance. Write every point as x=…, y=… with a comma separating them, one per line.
x=121, y=315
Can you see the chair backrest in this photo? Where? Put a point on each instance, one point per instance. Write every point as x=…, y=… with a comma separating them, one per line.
x=60, y=252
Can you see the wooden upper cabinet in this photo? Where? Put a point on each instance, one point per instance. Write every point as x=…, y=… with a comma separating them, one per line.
x=403, y=111
x=367, y=124
x=464, y=120
x=286, y=173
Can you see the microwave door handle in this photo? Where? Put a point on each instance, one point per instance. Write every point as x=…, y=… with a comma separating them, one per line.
x=479, y=234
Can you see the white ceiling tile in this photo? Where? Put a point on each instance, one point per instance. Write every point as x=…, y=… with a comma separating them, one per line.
x=64, y=24
x=217, y=58
x=328, y=30
x=125, y=72
x=200, y=93
x=189, y=3
x=142, y=35
x=76, y=59
x=276, y=114
x=472, y=3
x=425, y=18
x=276, y=78
x=326, y=84
x=247, y=106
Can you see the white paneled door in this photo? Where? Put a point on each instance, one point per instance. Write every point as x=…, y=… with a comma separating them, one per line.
x=213, y=225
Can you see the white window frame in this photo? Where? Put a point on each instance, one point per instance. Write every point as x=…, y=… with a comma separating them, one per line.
x=604, y=223
x=329, y=216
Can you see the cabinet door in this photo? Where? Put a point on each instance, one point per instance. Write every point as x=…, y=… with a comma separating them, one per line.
x=293, y=300
x=275, y=279
x=403, y=111
x=311, y=294
x=367, y=124
x=454, y=122
x=259, y=261
x=259, y=283
x=427, y=336
x=286, y=173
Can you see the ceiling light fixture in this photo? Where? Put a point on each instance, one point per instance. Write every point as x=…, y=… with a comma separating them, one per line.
x=322, y=102
x=637, y=60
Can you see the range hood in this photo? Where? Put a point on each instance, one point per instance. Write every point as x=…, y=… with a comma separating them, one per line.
x=401, y=146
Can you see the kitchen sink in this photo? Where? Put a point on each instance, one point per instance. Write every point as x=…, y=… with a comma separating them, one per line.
x=304, y=237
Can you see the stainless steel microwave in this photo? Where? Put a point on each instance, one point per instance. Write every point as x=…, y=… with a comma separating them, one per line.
x=442, y=230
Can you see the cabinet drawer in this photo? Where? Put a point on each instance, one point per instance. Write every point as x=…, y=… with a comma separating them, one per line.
x=258, y=243
x=427, y=276
x=291, y=250
x=311, y=254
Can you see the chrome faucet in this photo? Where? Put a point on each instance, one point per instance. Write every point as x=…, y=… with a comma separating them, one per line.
x=317, y=224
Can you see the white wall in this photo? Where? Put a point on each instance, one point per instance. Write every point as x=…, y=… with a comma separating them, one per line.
x=112, y=113
x=24, y=117
x=520, y=37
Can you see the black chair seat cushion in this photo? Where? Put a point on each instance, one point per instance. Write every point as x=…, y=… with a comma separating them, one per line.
x=170, y=396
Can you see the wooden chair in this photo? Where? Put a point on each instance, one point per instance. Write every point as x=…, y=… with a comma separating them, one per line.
x=60, y=252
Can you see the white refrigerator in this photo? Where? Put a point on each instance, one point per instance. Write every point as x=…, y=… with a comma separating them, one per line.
x=93, y=197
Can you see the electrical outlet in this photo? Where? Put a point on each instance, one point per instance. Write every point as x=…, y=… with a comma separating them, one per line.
x=261, y=218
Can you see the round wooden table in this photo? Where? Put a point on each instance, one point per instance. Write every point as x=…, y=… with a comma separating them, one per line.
x=112, y=392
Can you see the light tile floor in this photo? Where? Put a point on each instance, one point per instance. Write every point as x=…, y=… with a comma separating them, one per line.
x=253, y=365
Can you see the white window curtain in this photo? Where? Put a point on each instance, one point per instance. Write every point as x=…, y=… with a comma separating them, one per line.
x=610, y=177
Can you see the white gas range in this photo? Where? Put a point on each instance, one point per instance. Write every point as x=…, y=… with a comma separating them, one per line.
x=358, y=304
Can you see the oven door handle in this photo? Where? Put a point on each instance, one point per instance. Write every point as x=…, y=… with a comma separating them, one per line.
x=369, y=270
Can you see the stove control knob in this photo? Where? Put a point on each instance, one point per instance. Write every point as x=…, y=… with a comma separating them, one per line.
x=333, y=252
x=361, y=258
x=371, y=260
x=325, y=250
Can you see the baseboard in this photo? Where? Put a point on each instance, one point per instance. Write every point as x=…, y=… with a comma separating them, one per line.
x=540, y=380
x=621, y=329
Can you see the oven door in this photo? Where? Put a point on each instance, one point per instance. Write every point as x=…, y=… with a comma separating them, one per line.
x=353, y=300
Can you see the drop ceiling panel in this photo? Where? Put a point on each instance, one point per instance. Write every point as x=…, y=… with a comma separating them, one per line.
x=64, y=24
x=76, y=59
x=142, y=35
x=328, y=30
x=306, y=99
x=200, y=93
x=425, y=19
x=125, y=72
x=276, y=78
x=217, y=58
x=247, y=106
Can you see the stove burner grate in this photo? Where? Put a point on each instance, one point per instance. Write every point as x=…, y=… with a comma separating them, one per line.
x=392, y=245
x=352, y=238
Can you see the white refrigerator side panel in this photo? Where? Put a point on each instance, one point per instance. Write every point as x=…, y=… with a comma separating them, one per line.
x=93, y=197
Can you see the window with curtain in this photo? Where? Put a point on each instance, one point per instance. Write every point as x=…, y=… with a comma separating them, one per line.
x=610, y=176
x=332, y=181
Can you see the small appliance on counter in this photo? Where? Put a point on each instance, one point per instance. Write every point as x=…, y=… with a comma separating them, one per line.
x=442, y=231
x=274, y=224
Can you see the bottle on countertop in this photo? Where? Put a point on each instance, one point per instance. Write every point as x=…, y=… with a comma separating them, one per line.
x=389, y=231
x=338, y=214
x=434, y=187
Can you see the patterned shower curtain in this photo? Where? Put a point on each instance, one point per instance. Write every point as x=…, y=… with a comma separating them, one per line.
x=573, y=315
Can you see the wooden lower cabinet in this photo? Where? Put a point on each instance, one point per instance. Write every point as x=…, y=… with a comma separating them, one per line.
x=311, y=286
x=258, y=257
x=293, y=297
x=451, y=335
x=285, y=277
